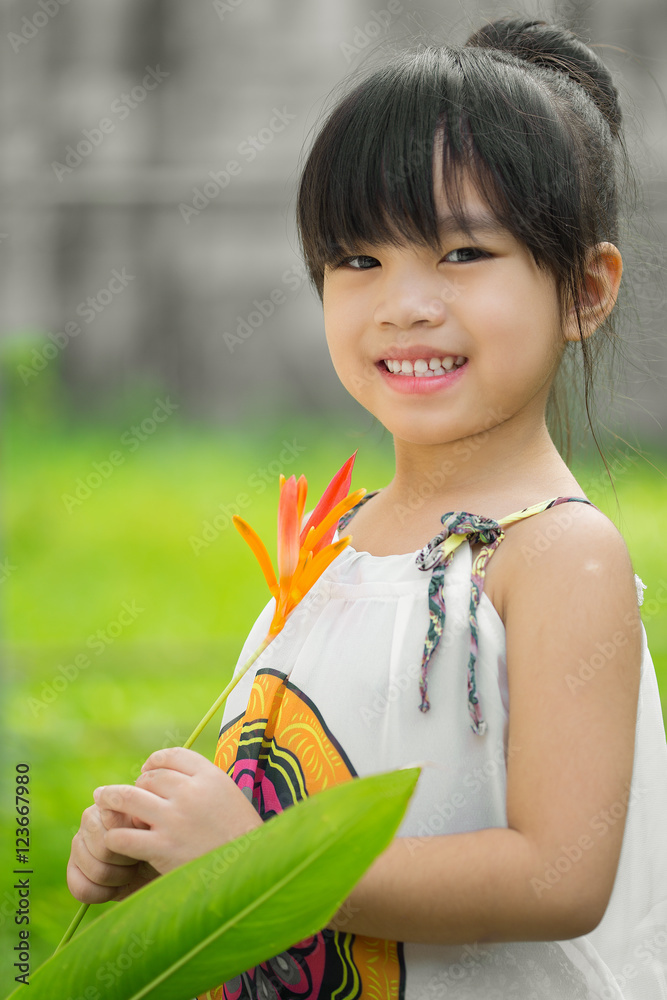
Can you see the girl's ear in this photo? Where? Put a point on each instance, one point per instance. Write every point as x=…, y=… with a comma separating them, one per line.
x=604, y=268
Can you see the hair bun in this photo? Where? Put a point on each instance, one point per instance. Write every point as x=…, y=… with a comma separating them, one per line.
x=557, y=49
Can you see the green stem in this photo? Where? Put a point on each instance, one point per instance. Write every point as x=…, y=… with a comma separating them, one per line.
x=73, y=926
x=188, y=743
x=223, y=697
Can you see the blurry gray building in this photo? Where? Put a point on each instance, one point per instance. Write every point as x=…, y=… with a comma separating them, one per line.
x=149, y=156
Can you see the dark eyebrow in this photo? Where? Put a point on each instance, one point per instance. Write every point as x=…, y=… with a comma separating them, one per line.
x=481, y=223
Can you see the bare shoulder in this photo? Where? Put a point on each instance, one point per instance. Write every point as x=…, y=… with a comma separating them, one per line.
x=570, y=564
x=569, y=546
x=566, y=541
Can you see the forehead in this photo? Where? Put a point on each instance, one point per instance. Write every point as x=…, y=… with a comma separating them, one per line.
x=464, y=213
x=469, y=212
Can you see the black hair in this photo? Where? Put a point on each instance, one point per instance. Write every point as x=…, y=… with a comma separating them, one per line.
x=524, y=110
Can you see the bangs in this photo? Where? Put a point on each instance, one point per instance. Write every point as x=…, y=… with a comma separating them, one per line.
x=371, y=182
x=369, y=176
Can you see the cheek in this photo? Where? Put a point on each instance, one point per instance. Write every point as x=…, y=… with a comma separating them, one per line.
x=521, y=324
x=342, y=335
x=336, y=344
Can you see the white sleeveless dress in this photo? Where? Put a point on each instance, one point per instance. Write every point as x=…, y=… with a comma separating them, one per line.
x=337, y=694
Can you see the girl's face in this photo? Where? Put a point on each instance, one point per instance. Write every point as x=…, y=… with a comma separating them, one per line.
x=483, y=300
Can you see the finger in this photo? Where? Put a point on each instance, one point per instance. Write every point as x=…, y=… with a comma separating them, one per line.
x=163, y=782
x=101, y=873
x=144, y=806
x=86, y=891
x=176, y=759
x=139, y=825
x=139, y=844
x=92, y=833
x=111, y=818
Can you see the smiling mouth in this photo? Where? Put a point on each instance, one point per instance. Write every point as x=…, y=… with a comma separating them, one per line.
x=421, y=367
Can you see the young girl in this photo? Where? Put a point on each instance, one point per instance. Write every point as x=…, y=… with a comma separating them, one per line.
x=458, y=218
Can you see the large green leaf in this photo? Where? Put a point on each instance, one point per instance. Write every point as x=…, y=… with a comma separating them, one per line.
x=241, y=904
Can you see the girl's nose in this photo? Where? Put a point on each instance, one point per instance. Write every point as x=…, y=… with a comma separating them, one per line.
x=403, y=304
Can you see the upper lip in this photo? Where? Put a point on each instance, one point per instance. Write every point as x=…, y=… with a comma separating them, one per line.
x=416, y=352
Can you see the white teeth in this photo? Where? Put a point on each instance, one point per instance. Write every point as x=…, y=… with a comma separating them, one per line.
x=422, y=368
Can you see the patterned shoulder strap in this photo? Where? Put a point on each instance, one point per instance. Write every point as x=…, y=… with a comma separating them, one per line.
x=436, y=556
x=348, y=515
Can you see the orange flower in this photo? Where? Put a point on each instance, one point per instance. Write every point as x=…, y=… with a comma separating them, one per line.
x=303, y=554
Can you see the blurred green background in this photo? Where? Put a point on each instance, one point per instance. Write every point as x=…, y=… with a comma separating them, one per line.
x=139, y=540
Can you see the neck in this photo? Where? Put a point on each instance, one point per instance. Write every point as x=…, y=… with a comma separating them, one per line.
x=502, y=467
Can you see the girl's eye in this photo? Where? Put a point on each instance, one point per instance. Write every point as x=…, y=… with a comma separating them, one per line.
x=360, y=262
x=468, y=254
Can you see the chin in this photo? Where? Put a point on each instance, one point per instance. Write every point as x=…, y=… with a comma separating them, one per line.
x=423, y=435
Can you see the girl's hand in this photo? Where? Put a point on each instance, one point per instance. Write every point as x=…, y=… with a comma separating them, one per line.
x=94, y=873
x=182, y=806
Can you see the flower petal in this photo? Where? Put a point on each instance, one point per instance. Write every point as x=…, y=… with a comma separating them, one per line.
x=314, y=570
x=288, y=530
x=259, y=550
x=302, y=491
x=337, y=488
x=326, y=529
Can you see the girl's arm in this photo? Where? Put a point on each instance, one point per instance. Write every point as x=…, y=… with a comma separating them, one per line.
x=573, y=653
